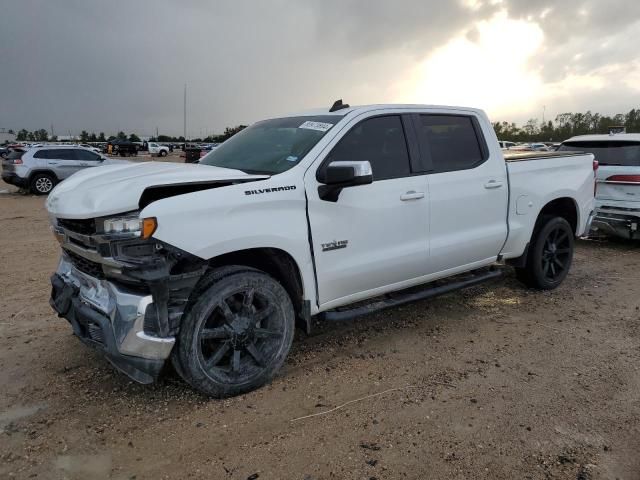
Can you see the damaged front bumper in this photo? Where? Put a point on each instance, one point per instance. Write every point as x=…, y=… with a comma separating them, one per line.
x=111, y=318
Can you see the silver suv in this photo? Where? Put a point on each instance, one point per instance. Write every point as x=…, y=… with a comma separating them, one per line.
x=39, y=169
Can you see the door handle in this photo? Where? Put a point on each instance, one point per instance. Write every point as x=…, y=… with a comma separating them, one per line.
x=411, y=195
x=492, y=184
x=52, y=163
x=84, y=164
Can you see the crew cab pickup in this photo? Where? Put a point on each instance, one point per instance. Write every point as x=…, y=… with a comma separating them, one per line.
x=326, y=214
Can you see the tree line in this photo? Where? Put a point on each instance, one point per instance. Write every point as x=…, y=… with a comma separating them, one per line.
x=42, y=135
x=566, y=125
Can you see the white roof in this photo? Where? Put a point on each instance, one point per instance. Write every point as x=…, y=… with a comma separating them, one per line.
x=618, y=137
x=367, y=108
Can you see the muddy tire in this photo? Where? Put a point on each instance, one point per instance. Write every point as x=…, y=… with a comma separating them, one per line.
x=236, y=334
x=163, y=153
x=42, y=184
x=550, y=254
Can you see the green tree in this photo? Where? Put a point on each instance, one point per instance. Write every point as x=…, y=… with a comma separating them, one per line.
x=101, y=137
x=41, y=135
x=134, y=138
x=93, y=137
x=230, y=132
x=22, y=135
x=121, y=136
x=84, y=136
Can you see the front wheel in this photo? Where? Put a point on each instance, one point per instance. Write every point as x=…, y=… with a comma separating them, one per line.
x=163, y=153
x=550, y=254
x=237, y=334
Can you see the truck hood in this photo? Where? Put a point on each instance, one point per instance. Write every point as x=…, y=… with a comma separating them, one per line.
x=112, y=189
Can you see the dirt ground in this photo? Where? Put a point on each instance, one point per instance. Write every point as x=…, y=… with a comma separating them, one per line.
x=494, y=382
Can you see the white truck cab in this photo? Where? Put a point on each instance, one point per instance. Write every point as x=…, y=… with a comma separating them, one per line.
x=157, y=150
x=211, y=265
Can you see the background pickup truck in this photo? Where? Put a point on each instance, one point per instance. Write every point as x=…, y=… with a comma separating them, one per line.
x=331, y=213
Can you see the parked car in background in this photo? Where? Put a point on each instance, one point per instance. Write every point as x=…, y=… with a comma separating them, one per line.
x=124, y=148
x=157, y=150
x=39, y=169
x=618, y=181
x=506, y=145
x=213, y=264
x=4, y=152
x=206, y=149
x=539, y=147
x=90, y=147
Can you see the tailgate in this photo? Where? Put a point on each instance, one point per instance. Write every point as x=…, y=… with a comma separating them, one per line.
x=618, y=183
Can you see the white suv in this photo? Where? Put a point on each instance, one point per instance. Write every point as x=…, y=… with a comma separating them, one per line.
x=618, y=181
x=39, y=169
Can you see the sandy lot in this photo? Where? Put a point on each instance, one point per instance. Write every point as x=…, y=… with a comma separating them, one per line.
x=495, y=382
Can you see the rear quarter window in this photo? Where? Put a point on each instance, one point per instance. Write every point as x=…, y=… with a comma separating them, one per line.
x=608, y=153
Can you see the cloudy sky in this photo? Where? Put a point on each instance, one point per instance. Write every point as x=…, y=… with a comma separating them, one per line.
x=122, y=64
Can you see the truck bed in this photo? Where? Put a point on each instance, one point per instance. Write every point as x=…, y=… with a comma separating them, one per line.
x=520, y=156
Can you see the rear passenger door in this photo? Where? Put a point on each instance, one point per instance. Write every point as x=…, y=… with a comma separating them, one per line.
x=374, y=237
x=468, y=192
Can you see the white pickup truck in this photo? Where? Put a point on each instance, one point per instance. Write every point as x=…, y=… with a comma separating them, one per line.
x=309, y=215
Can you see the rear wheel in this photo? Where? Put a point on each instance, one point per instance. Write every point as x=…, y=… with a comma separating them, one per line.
x=550, y=254
x=42, y=183
x=163, y=153
x=237, y=334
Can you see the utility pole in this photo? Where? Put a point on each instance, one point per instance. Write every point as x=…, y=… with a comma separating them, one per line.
x=185, y=114
x=544, y=108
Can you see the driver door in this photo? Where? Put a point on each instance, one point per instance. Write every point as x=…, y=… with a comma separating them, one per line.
x=373, y=238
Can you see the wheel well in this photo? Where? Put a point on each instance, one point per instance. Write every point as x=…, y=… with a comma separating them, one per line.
x=48, y=172
x=562, y=207
x=281, y=266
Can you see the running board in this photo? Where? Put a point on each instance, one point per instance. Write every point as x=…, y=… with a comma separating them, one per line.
x=398, y=298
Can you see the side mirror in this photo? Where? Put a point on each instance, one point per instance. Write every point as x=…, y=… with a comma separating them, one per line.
x=339, y=175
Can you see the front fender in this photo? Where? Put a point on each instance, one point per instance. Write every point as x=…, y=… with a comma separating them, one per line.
x=260, y=214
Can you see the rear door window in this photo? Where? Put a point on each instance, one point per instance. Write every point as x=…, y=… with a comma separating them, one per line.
x=621, y=153
x=452, y=142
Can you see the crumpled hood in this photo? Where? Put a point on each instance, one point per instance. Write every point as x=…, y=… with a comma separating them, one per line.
x=111, y=189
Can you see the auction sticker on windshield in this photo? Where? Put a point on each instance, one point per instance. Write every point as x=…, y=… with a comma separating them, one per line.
x=321, y=127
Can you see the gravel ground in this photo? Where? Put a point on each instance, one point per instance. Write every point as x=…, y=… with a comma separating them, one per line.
x=494, y=382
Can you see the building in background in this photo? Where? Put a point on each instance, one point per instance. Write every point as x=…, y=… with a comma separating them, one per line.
x=6, y=137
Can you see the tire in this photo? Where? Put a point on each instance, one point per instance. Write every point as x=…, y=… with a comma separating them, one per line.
x=550, y=254
x=163, y=153
x=236, y=334
x=42, y=183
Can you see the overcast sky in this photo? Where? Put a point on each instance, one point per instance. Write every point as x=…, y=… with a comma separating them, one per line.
x=122, y=64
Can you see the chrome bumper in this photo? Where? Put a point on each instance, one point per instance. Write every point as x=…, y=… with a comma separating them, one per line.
x=123, y=312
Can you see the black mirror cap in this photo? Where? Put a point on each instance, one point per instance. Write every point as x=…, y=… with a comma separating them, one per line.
x=346, y=173
x=335, y=174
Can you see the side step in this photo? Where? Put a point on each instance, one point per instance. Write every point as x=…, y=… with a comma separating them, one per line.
x=398, y=298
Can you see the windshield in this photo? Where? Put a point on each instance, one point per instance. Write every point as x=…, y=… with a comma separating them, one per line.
x=608, y=153
x=271, y=146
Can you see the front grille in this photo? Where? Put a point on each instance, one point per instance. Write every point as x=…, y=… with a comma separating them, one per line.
x=83, y=227
x=91, y=268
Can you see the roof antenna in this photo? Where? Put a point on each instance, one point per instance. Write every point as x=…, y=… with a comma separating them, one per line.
x=338, y=105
